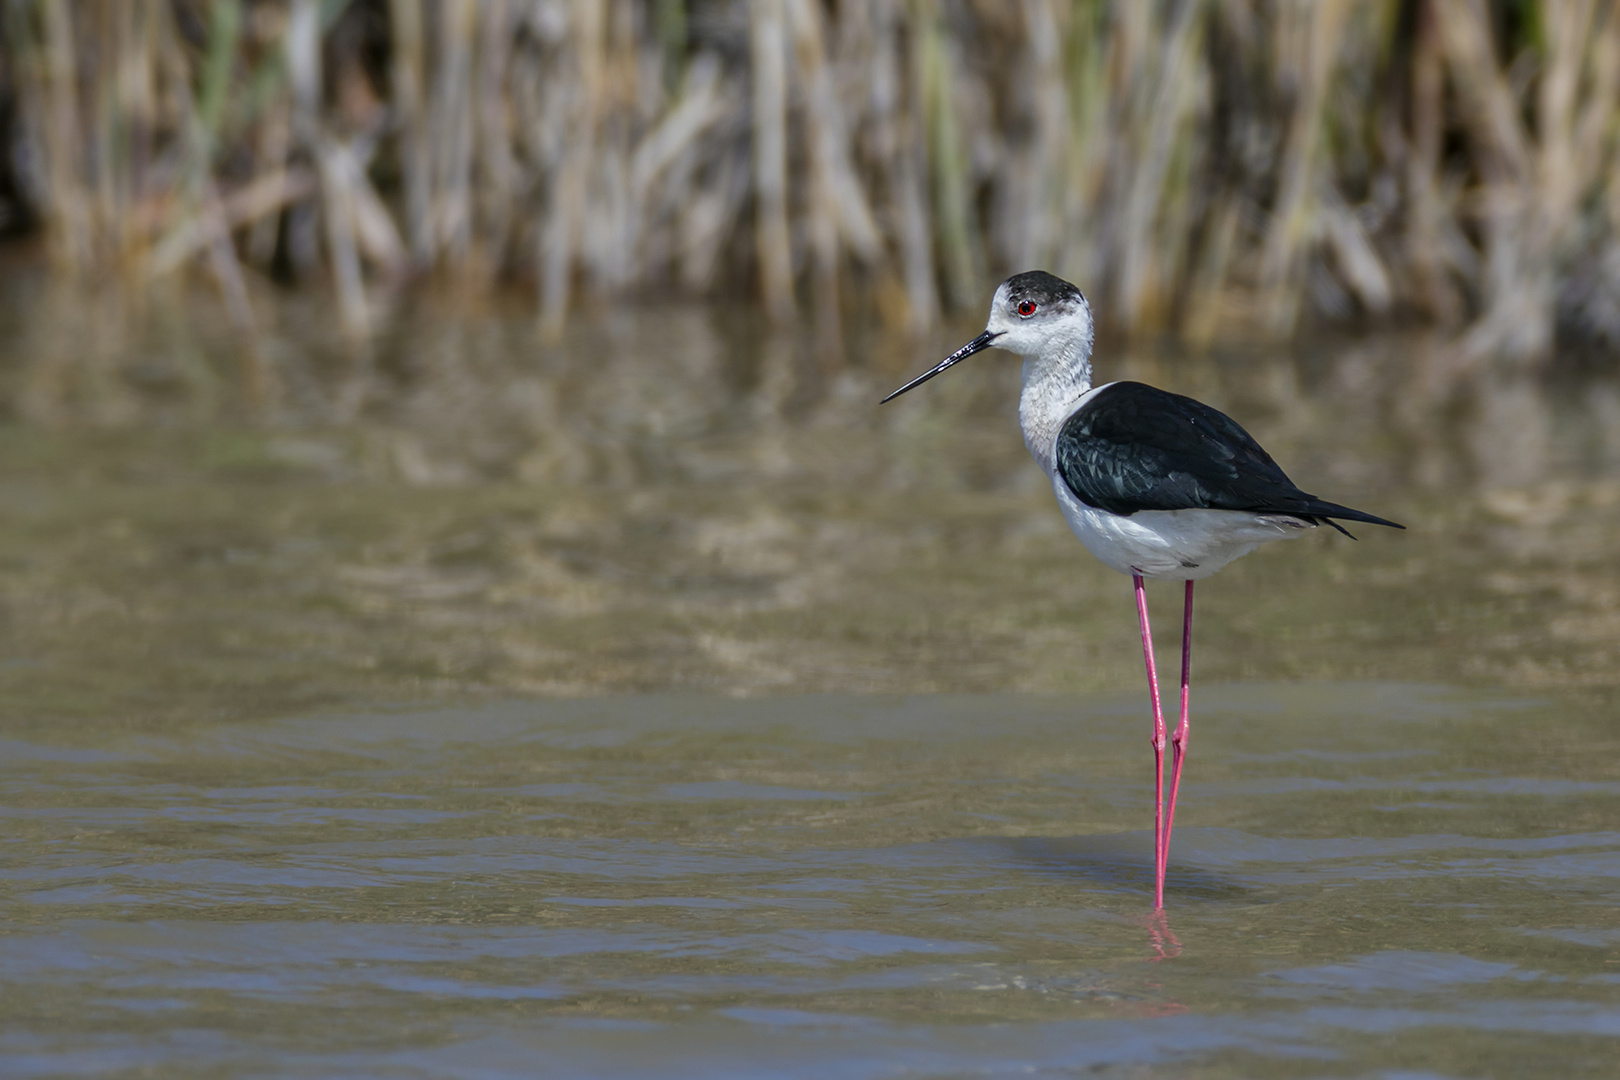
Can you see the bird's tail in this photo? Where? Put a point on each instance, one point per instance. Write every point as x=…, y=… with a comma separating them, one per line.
x=1323, y=513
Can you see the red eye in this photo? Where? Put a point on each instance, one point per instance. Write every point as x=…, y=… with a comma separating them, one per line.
x=1026, y=308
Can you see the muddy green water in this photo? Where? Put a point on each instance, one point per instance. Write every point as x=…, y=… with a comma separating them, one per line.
x=653, y=705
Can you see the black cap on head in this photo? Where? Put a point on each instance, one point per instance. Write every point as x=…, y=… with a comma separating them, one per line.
x=1041, y=287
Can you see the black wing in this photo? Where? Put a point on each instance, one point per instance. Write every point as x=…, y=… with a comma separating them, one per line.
x=1133, y=447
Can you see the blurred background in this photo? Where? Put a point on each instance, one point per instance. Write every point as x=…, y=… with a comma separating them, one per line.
x=408, y=346
x=1215, y=169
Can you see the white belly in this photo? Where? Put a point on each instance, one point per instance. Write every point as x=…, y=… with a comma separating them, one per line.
x=1176, y=544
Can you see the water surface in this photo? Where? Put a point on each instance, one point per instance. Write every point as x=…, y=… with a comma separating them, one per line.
x=827, y=885
x=653, y=704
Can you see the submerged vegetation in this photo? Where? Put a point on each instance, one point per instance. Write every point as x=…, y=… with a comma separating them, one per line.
x=1213, y=167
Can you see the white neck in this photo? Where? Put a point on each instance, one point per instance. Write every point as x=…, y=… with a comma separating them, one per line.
x=1053, y=384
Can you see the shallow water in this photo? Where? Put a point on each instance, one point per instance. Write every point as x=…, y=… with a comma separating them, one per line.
x=824, y=885
x=654, y=705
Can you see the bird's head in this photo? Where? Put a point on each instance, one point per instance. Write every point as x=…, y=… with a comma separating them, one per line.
x=1035, y=311
x=1032, y=314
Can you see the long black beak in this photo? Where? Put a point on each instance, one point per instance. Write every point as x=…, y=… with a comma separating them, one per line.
x=978, y=344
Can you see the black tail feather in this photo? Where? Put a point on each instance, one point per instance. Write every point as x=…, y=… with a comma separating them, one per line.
x=1334, y=510
x=1335, y=524
x=1323, y=513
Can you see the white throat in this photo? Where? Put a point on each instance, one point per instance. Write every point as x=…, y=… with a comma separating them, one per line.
x=1054, y=382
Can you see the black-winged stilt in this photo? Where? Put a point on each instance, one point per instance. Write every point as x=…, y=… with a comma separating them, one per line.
x=1154, y=484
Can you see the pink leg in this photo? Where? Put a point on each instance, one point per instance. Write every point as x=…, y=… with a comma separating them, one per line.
x=1178, y=740
x=1159, y=833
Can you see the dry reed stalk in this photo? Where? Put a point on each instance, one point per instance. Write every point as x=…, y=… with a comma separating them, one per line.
x=943, y=80
x=1307, y=68
x=560, y=235
x=1035, y=243
x=1426, y=213
x=497, y=167
x=695, y=110
x=1208, y=303
x=713, y=209
x=773, y=240
x=663, y=167
x=1513, y=316
x=452, y=126
x=901, y=136
x=131, y=108
x=1090, y=141
x=408, y=76
x=71, y=223
x=257, y=201
x=1146, y=264
x=1357, y=260
x=838, y=206
x=199, y=192
x=608, y=240
x=303, y=59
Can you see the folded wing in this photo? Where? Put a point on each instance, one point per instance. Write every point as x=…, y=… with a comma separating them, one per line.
x=1133, y=447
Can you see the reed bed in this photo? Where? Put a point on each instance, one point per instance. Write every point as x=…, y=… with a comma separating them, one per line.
x=1214, y=168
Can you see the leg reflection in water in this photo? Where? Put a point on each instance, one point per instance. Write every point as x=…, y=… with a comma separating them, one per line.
x=1166, y=946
